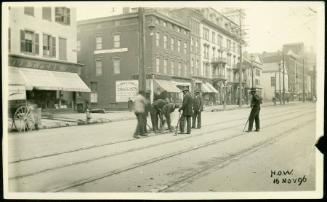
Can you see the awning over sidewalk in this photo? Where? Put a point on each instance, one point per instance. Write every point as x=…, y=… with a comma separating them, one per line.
x=208, y=88
x=47, y=80
x=212, y=88
x=168, y=86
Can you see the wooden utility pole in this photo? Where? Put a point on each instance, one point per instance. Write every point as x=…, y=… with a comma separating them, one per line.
x=303, y=82
x=142, y=47
x=283, y=78
x=241, y=60
x=280, y=85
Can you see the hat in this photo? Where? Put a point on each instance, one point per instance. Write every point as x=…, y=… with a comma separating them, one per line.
x=253, y=90
x=185, y=89
x=197, y=91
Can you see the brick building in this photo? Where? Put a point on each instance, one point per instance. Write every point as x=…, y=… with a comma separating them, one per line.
x=109, y=48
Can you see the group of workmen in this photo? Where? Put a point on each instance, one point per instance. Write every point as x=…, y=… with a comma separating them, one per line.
x=190, y=112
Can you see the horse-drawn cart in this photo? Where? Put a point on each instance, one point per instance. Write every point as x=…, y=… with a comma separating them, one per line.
x=21, y=113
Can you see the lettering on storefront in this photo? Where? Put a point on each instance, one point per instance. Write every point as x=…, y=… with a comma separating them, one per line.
x=126, y=89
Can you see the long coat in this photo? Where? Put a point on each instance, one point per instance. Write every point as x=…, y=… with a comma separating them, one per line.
x=197, y=103
x=187, y=105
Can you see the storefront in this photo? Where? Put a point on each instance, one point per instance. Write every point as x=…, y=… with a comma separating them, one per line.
x=49, y=89
x=209, y=94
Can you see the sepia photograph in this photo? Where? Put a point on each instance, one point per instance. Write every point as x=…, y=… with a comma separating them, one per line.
x=163, y=99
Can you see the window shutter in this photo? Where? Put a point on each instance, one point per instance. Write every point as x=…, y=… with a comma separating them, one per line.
x=22, y=40
x=36, y=43
x=53, y=46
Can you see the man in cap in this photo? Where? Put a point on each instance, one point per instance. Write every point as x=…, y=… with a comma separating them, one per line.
x=157, y=107
x=167, y=110
x=187, y=111
x=254, y=115
x=139, y=108
x=197, y=109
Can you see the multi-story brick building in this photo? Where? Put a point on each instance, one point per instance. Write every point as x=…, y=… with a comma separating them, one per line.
x=109, y=48
x=42, y=53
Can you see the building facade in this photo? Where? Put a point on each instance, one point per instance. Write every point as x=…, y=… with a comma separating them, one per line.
x=42, y=52
x=110, y=49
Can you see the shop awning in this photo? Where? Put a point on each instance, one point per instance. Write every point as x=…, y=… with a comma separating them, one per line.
x=168, y=86
x=213, y=90
x=205, y=88
x=47, y=80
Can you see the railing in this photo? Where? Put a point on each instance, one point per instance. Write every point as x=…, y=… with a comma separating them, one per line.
x=219, y=60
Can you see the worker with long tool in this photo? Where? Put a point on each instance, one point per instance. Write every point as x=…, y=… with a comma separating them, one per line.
x=167, y=110
x=254, y=115
x=187, y=111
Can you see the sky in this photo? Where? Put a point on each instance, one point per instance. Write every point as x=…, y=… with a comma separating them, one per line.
x=269, y=25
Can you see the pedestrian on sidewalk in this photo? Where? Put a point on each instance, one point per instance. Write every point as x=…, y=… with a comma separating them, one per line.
x=254, y=115
x=197, y=109
x=167, y=110
x=139, y=109
x=187, y=111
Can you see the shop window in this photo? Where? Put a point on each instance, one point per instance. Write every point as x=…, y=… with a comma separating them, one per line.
x=62, y=49
x=116, y=41
x=49, y=45
x=98, y=67
x=29, y=11
x=62, y=15
x=29, y=42
x=116, y=64
x=98, y=42
x=46, y=13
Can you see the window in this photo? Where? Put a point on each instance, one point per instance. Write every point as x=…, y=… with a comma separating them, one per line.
x=179, y=45
x=192, y=44
x=273, y=81
x=116, y=41
x=185, y=48
x=164, y=23
x=206, y=34
x=229, y=59
x=157, y=39
x=98, y=67
x=196, y=46
x=219, y=40
x=233, y=47
x=228, y=44
x=257, y=82
x=165, y=42
x=46, y=13
x=29, y=42
x=172, y=43
x=62, y=15
x=172, y=67
x=165, y=66
x=185, y=70
x=49, y=45
x=62, y=49
x=98, y=42
x=257, y=72
x=29, y=11
x=179, y=69
x=94, y=92
x=213, y=52
x=157, y=65
x=213, y=37
x=78, y=45
x=116, y=64
x=178, y=29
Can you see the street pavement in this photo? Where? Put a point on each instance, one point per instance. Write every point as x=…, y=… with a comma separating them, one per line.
x=217, y=157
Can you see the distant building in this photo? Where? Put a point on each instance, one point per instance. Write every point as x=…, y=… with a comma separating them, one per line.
x=109, y=47
x=42, y=53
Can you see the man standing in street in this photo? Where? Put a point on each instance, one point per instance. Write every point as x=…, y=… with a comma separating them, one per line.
x=167, y=110
x=254, y=115
x=158, y=106
x=197, y=109
x=139, y=109
x=187, y=111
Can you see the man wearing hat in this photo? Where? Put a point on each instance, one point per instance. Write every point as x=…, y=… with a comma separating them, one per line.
x=197, y=109
x=254, y=115
x=187, y=111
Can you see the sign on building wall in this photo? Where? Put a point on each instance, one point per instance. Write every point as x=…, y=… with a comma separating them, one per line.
x=93, y=97
x=126, y=89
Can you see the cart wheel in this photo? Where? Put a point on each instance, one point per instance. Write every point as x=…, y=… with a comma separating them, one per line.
x=23, y=119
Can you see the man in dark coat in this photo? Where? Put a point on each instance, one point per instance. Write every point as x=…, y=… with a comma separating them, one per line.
x=254, y=115
x=187, y=111
x=197, y=109
x=157, y=107
x=167, y=110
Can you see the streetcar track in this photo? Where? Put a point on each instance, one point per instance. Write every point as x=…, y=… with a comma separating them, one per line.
x=154, y=160
x=182, y=181
x=132, y=150
x=112, y=143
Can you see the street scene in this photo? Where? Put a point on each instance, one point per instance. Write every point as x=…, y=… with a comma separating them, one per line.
x=160, y=99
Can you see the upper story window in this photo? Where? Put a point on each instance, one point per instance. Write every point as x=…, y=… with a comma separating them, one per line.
x=78, y=45
x=228, y=44
x=98, y=67
x=116, y=41
x=220, y=40
x=172, y=43
x=213, y=37
x=172, y=67
x=179, y=45
x=116, y=64
x=257, y=72
x=178, y=29
x=157, y=65
x=165, y=66
x=157, y=38
x=165, y=42
x=62, y=49
x=46, y=13
x=98, y=42
x=164, y=23
x=185, y=48
x=233, y=47
x=206, y=34
x=29, y=42
x=62, y=15
x=29, y=11
x=49, y=45
x=179, y=69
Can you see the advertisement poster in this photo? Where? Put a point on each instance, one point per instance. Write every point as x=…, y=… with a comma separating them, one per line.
x=126, y=89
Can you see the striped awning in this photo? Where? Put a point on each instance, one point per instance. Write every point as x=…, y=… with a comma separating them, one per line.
x=168, y=86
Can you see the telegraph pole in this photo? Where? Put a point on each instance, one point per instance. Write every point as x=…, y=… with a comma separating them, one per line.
x=303, y=82
x=252, y=71
x=241, y=70
x=142, y=47
x=280, y=89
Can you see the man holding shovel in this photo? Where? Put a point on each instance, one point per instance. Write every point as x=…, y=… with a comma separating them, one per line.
x=254, y=115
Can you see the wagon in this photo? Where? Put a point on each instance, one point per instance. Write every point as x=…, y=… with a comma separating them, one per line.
x=21, y=112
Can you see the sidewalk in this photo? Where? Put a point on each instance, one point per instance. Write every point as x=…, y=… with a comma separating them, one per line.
x=74, y=119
